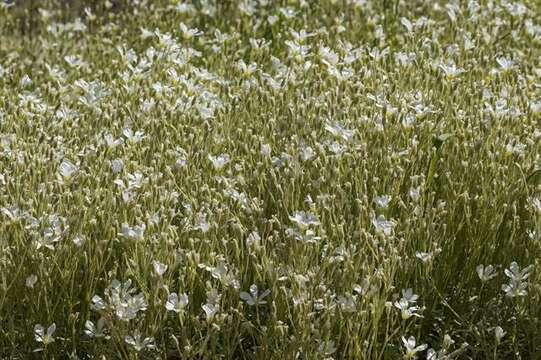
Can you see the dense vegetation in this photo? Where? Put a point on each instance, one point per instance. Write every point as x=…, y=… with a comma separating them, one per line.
x=334, y=179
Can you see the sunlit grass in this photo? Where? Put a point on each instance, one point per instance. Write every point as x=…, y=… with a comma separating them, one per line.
x=270, y=180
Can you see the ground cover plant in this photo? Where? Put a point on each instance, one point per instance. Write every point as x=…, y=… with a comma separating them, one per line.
x=334, y=179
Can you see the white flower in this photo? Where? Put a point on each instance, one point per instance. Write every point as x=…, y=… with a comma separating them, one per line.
x=111, y=142
x=301, y=35
x=159, y=268
x=431, y=354
x=450, y=70
x=129, y=306
x=408, y=295
x=96, y=330
x=133, y=137
x=218, y=162
x=266, y=150
x=97, y=303
x=405, y=306
x=486, y=273
x=133, y=233
x=383, y=225
x=535, y=203
x=66, y=171
x=120, y=300
x=226, y=276
x=42, y=336
x=424, y=256
x=246, y=70
x=78, y=240
x=517, y=280
x=515, y=289
x=505, y=63
x=213, y=297
x=407, y=310
x=139, y=342
x=382, y=201
x=362, y=288
x=307, y=153
x=210, y=311
x=203, y=225
x=337, y=130
x=176, y=303
x=254, y=298
x=25, y=81
x=117, y=165
x=516, y=274
x=253, y=239
x=404, y=21
x=73, y=60
x=336, y=148
x=304, y=219
x=31, y=281
x=411, y=348
x=48, y=239
x=187, y=33
x=415, y=193
x=296, y=51
x=499, y=333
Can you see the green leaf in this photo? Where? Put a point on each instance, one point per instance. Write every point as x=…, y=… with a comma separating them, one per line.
x=535, y=177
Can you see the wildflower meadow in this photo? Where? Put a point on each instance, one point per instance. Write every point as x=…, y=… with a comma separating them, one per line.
x=270, y=179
